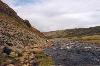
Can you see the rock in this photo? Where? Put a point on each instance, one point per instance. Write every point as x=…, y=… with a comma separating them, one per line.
x=27, y=23
x=7, y=50
x=10, y=65
x=13, y=54
x=79, y=53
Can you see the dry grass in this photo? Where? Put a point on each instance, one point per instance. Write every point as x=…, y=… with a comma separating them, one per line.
x=93, y=38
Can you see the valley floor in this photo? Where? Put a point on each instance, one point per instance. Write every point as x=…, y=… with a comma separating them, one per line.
x=65, y=52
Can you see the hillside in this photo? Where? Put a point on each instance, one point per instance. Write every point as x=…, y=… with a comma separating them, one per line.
x=87, y=34
x=74, y=32
x=18, y=39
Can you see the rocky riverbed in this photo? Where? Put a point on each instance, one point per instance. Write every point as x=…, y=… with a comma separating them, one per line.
x=74, y=53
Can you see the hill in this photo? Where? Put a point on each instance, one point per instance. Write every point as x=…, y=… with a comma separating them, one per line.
x=73, y=32
x=18, y=39
x=87, y=34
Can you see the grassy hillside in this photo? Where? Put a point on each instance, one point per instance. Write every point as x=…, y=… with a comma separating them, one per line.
x=91, y=34
x=73, y=32
x=92, y=38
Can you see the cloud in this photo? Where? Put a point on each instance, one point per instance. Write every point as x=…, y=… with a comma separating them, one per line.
x=49, y=15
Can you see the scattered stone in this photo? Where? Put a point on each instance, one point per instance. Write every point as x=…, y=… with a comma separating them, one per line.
x=10, y=65
x=7, y=50
x=79, y=53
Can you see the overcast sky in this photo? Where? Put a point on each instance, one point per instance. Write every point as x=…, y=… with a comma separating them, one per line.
x=50, y=15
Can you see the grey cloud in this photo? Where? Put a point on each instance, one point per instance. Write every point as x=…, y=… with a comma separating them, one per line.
x=49, y=15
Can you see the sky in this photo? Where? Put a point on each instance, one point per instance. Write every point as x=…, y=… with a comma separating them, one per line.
x=50, y=15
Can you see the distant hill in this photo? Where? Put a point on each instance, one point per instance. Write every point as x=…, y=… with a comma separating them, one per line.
x=77, y=32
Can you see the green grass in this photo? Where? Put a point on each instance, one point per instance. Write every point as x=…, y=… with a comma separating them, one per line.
x=92, y=38
x=44, y=60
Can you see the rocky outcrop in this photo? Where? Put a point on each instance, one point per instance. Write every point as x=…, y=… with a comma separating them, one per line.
x=27, y=23
x=17, y=39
